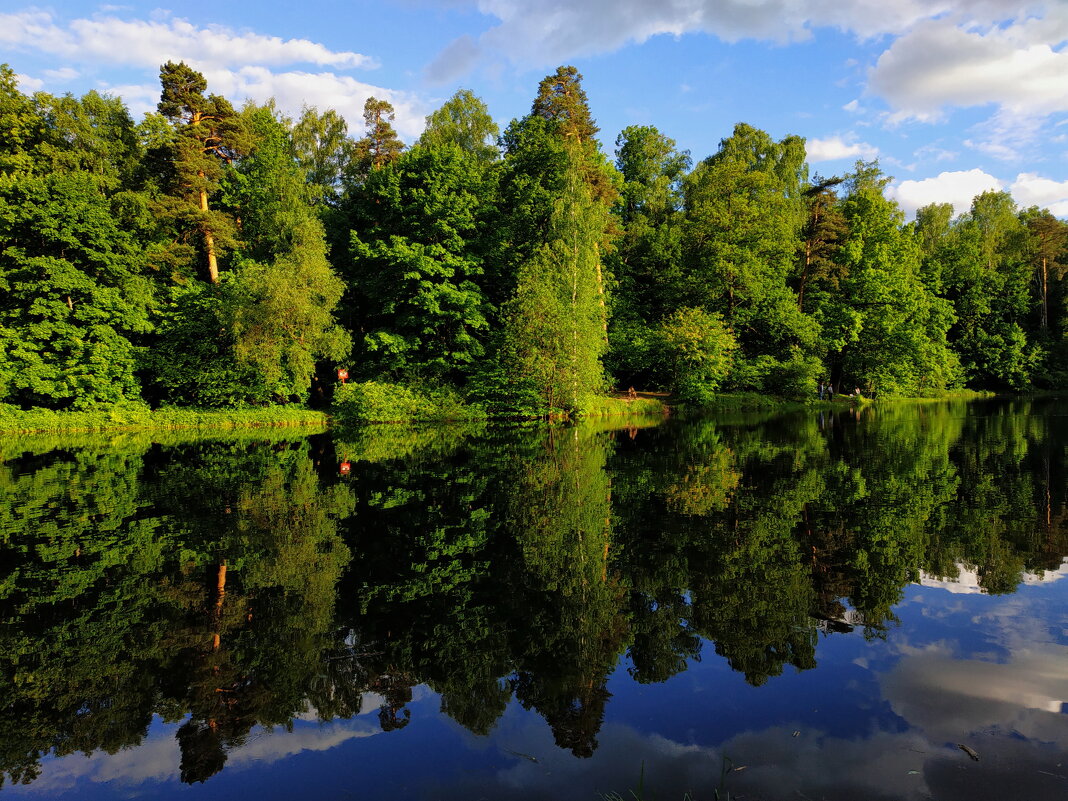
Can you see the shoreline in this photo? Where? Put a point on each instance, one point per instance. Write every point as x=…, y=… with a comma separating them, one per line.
x=44, y=421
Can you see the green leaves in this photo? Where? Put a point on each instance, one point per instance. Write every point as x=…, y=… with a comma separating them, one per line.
x=417, y=264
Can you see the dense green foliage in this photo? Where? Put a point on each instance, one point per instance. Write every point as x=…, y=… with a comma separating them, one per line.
x=216, y=257
x=380, y=402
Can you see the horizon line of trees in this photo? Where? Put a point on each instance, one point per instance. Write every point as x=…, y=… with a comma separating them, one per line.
x=215, y=257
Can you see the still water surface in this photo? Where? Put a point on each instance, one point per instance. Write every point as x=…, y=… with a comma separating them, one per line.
x=810, y=606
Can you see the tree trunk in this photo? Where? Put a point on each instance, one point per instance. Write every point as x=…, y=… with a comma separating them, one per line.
x=804, y=276
x=1045, y=293
x=209, y=242
x=600, y=291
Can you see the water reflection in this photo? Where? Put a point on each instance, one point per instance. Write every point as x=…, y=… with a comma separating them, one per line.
x=204, y=593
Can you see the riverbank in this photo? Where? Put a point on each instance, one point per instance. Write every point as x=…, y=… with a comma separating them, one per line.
x=132, y=418
x=756, y=402
x=643, y=405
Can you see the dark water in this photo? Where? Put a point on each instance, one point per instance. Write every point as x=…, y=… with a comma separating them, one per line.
x=799, y=607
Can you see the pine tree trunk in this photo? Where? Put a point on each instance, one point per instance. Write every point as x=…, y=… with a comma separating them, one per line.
x=209, y=243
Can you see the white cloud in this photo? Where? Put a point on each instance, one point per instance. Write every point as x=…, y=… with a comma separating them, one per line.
x=544, y=32
x=961, y=186
x=139, y=98
x=958, y=187
x=143, y=43
x=157, y=756
x=237, y=65
x=1030, y=189
x=1021, y=67
x=28, y=84
x=835, y=147
x=293, y=90
x=62, y=74
x=967, y=580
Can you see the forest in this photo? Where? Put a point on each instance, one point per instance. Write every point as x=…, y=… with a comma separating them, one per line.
x=214, y=257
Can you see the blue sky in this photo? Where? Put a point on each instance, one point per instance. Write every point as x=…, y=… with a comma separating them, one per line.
x=953, y=96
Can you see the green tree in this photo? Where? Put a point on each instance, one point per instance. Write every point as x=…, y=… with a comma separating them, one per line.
x=646, y=261
x=20, y=125
x=323, y=149
x=744, y=211
x=888, y=330
x=380, y=144
x=696, y=350
x=556, y=221
x=209, y=136
x=465, y=121
x=417, y=252
x=1048, y=248
x=258, y=335
x=824, y=228
x=987, y=278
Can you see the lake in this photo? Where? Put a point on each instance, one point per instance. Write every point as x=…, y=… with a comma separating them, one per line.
x=866, y=604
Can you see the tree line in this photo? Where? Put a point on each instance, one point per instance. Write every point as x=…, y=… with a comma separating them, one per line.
x=215, y=257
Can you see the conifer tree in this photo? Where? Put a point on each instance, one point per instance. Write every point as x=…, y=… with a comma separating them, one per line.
x=209, y=135
x=380, y=146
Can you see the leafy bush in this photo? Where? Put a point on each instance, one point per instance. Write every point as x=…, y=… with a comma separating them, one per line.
x=797, y=377
x=504, y=395
x=696, y=351
x=380, y=402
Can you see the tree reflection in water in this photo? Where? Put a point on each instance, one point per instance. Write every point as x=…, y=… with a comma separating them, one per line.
x=240, y=582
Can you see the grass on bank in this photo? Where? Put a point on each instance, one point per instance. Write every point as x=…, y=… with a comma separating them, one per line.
x=379, y=402
x=29, y=421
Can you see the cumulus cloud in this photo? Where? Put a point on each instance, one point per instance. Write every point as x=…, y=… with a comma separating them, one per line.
x=957, y=187
x=961, y=186
x=293, y=90
x=1030, y=189
x=144, y=43
x=942, y=54
x=1022, y=67
x=237, y=65
x=544, y=32
x=836, y=147
x=157, y=757
x=28, y=83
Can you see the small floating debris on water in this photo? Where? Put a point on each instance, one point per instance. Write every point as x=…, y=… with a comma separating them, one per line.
x=519, y=754
x=740, y=767
x=969, y=752
x=914, y=773
x=795, y=734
